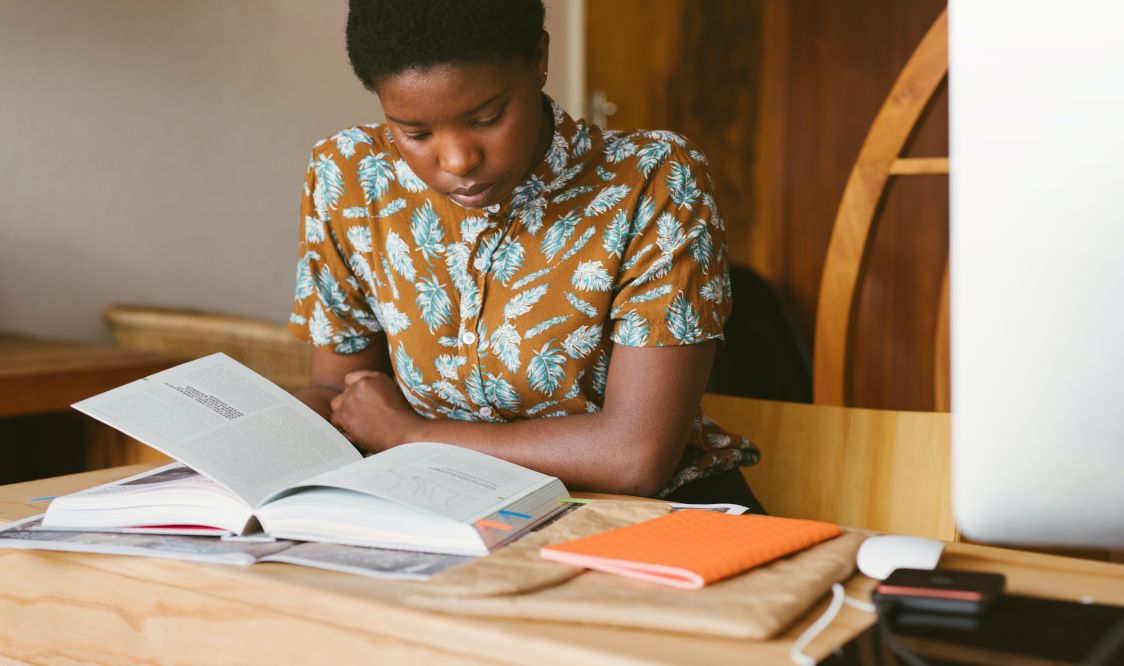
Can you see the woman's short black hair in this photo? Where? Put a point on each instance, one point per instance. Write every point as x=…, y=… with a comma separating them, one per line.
x=386, y=37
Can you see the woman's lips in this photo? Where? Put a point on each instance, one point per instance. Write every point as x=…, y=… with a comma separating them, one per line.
x=476, y=196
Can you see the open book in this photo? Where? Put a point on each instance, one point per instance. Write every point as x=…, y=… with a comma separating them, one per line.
x=253, y=454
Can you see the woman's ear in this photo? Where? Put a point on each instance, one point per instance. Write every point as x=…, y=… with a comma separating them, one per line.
x=542, y=57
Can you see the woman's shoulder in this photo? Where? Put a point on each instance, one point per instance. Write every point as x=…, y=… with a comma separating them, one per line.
x=352, y=144
x=645, y=145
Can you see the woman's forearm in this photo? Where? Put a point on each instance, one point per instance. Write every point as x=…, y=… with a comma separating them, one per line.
x=586, y=451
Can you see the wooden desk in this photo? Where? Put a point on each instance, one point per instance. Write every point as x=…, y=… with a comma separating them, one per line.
x=39, y=375
x=64, y=607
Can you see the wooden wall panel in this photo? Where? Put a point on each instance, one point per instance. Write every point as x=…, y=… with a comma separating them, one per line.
x=780, y=94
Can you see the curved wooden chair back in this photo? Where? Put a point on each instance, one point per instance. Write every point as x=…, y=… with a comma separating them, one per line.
x=265, y=347
x=848, y=251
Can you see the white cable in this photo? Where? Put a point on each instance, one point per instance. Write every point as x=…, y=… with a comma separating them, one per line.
x=838, y=598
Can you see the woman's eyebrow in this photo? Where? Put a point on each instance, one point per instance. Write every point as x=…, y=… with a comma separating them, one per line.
x=473, y=110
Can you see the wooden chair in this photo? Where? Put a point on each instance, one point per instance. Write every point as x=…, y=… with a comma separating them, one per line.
x=877, y=469
x=263, y=346
x=870, y=468
x=851, y=238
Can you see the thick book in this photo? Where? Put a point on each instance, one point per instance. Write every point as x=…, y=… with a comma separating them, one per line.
x=255, y=456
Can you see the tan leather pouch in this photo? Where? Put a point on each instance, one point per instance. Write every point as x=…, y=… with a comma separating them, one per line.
x=515, y=582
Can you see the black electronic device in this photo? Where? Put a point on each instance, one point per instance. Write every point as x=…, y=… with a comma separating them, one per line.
x=939, y=590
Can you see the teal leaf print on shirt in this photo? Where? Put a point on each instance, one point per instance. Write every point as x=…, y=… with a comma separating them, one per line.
x=450, y=394
x=558, y=234
x=474, y=386
x=604, y=174
x=349, y=342
x=313, y=230
x=531, y=277
x=360, y=238
x=347, y=140
x=581, y=142
x=665, y=135
x=522, y=302
x=542, y=326
x=617, y=147
x=393, y=320
x=375, y=175
x=407, y=178
x=541, y=407
x=589, y=233
x=607, y=198
x=527, y=191
x=433, y=302
x=362, y=270
x=448, y=366
x=683, y=320
x=500, y=393
x=702, y=246
x=682, y=187
x=600, y=374
x=556, y=157
x=633, y=330
x=572, y=193
x=617, y=234
x=354, y=213
x=631, y=261
x=644, y=214
x=651, y=156
x=486, y=250
x=711, y=290
x=398, y=253
x=505, y=342
x=530, y=216
x=563, y=179
x=331, y=294
x=472, y=227
x=329, y=185
x=390, y=277
x=544, y=369
x=590, y=276
x=581, y=305
x=407, y=372
x=669, y=233
x=319, y=327
x=507, y=260
x=582, y=341
x=392, y=208
x=697, y=156
x=428, y=233
x=306, y=285
x=658, y=292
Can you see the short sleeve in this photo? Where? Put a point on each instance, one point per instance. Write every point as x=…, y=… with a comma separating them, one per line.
x=332, y=308
x=674, y=284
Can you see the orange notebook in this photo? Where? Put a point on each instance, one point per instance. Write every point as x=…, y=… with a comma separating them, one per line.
x=690, y=549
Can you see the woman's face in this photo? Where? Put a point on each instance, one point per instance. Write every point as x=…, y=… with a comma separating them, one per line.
x=470, y=131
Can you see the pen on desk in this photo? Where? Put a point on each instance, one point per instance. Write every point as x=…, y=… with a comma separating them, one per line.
x=574, y=500
x=42, y=499
x=514, y=514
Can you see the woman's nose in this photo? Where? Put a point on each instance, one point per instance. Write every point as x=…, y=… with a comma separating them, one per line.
x=459, y=158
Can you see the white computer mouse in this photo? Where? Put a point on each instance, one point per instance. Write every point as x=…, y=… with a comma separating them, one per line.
x=879, y=556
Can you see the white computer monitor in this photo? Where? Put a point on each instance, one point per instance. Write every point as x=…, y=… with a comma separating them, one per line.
x=1036, y=96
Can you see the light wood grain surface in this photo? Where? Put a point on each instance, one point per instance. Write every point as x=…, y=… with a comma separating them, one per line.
x=878, y=469
x=61, y=608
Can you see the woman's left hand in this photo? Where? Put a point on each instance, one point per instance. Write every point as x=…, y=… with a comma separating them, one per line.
x=372, y=412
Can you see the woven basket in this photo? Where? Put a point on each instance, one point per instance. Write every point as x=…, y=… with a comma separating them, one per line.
x=264, y=346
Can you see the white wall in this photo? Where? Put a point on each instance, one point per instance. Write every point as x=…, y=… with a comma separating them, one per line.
x=152, y=152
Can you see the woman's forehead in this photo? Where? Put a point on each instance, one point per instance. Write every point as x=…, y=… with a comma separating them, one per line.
x=448, y=91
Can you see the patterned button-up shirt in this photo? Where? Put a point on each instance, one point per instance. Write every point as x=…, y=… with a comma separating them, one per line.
x=512, y=312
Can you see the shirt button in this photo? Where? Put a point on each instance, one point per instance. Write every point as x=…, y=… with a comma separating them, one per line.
x=468, y=337
x=493, y=209
x=485, y=411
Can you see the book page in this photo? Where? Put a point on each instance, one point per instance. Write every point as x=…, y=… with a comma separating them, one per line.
x=373, y=562
x=228, y=423
x=451, y=481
